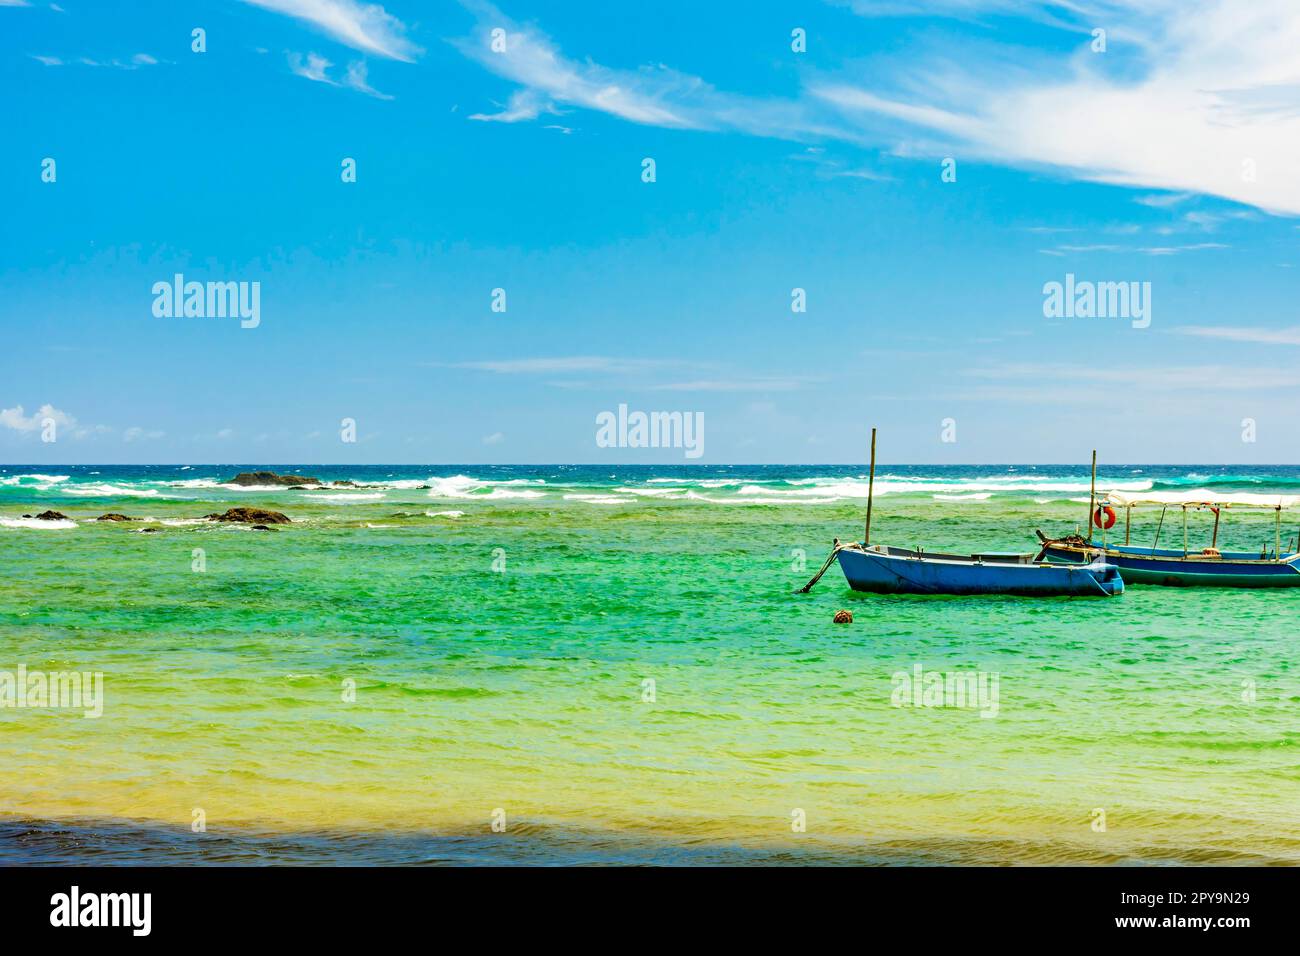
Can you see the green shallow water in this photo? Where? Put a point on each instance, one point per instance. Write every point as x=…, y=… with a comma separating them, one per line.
x=524, y=691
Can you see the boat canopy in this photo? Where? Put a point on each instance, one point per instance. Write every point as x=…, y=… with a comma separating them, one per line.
x=1202, y=497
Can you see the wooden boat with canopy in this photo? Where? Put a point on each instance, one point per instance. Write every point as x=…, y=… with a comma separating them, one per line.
x=1273, y=565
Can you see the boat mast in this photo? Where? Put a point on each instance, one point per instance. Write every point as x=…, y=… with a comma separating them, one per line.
x=1092, y=495
x=871, y=489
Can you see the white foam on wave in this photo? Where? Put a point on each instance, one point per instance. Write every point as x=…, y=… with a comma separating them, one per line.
x=462, y=486
x=47, y=480
x=711, y=482
x=978, y=496
x=105, y=490
x=858, y=488
x=38, y=524
x=444, y=514
x=350, y=498
x=762, y=500
x=598, y=499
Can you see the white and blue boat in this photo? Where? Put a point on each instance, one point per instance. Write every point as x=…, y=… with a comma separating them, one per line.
x=1272, y=566
x=887, y=570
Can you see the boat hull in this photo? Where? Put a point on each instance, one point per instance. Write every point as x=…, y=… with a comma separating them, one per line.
x=1170, y=570
x=895, y=571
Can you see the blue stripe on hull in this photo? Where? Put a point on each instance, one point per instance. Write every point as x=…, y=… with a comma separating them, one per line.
x=888, y=574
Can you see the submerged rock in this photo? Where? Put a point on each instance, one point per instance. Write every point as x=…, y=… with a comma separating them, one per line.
x=50, y=516
x=114, y=516
x=271, y=478
x=255, y=516
x=262, y=527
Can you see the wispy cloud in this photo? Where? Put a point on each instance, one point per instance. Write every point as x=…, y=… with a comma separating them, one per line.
x=362, y=26
x=312, y=67
x=1198, y=378
x=653, y=95
x=1163, y=200
x=1202, y=114
x=1196, y=97
x=637, y=373
x=355, y=79
x=567, y=364
x=1262, y=336
x=733, y=385
x=1138, y=250
x=524, y=105
x=134, y=63
x=315, y=67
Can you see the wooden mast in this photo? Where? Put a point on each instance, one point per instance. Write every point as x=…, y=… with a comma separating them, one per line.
x=871, y=489
x=1092, y=496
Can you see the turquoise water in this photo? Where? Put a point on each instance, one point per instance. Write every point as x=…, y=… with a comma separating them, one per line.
x=407, y=663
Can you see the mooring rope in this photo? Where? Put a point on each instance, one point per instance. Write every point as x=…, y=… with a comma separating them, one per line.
x=836, y=549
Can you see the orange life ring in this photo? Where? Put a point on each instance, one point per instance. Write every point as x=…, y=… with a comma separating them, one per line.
x=1109, y=521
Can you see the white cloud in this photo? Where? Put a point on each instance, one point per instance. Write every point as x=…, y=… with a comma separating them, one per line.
x=362, y=26
x=1139, y=250
x=1195, y=378
x=136, y=433
x=495, y=438
x=732, y=385
x=47, y=60
x=573, y=363
x=13, y=418
x=315, y=67
x=1262, y=336
x=1210, y=107
x=653, y=95
x=1192, y=96
x=355, y=79
x=524, y=105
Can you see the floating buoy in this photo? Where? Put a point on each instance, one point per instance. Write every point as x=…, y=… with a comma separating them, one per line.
x=843, y=617
x=1104, y=517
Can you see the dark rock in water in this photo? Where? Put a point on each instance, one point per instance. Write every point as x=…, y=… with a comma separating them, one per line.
x=50, y=516
x=114, y=516
x=251, y=516
x=148, y=530
x=262, y=527
x=271, y=478
x=344, y=483
x=843, y=617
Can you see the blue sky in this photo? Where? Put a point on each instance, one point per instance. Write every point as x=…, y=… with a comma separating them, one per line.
x=1169, y=158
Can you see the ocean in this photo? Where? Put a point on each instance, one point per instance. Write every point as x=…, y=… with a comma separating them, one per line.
x=607, y=664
